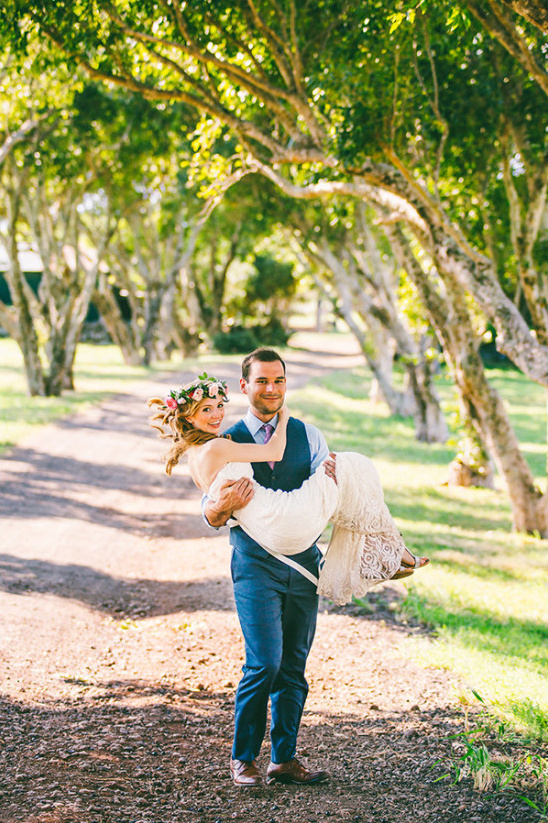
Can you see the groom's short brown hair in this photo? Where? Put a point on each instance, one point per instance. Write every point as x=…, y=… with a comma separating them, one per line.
x=263, y=356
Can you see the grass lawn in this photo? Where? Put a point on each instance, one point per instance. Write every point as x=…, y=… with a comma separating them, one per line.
x=485, y=593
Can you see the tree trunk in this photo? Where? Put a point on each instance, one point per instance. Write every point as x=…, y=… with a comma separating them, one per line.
x=28, y=344
x=76, y=311
x=320, y=316
x=8, y=320
x=56, y=375
x=430, y=424
x=220, y=277
x=473, y=465
x=165, y=343
x=188, y=339
x=451, y=320
x=153, y=303
x=385, y=360
x=26, y=336
x=528, y=507
x=397, y=401
x=420, y=400
x=118, y=329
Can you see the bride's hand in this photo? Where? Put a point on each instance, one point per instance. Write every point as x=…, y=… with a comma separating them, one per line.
x=284, y=414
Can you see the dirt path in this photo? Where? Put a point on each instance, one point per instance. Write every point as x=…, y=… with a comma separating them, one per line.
x=120, y=653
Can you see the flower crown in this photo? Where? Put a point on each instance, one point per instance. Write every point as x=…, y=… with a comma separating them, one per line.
x=203, y=386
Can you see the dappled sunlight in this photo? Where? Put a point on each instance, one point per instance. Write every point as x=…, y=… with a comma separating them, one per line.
x=358, y=425
x=454, y=508
x=501, y=681
x=491, y=631
x=446, y=590
x=489, y=564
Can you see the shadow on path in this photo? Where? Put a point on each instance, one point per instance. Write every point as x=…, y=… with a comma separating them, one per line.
x=47, y=470
x=116, y=596
x=51, y=486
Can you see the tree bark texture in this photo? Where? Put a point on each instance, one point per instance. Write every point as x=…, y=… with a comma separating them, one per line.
x=120, y=331
x=535, y=11
x=24, y=331
x=365, y=290
x=485, y=408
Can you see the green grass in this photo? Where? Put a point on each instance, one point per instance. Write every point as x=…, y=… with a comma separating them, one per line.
x=485, y=594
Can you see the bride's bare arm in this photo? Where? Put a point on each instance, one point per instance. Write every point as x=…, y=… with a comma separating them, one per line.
x=221, y=451
x=207, y=460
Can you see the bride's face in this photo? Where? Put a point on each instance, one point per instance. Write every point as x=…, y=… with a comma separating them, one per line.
x=208, y=416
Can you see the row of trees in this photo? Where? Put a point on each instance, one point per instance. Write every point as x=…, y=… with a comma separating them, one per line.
x=406, y=141
x=98, y=184
x=108, y=190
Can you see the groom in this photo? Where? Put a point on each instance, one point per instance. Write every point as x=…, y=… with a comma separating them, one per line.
x=277, y=606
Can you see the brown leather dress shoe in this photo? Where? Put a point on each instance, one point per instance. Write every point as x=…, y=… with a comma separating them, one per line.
x=245, y=774
x=294, y=772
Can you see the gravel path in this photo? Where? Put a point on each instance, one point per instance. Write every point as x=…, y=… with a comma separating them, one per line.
x=120, y=652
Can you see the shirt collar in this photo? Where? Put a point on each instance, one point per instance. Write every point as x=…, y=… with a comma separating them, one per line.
x=254, y=424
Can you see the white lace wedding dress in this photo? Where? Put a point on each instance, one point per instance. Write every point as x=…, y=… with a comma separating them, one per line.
x=365, y=547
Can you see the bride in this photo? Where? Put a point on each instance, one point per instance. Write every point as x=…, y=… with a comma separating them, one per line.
x=365, y=546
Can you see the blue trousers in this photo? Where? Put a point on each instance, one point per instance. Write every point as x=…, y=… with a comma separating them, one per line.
x=277, y=609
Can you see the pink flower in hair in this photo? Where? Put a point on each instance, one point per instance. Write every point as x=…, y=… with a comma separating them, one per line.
x=171, y=403
x=197, y=394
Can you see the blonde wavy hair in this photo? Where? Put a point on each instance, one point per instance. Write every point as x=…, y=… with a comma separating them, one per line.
x=171, y=419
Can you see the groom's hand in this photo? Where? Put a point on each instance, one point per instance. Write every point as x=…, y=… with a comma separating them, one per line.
x=234, y=494
x=330, y=466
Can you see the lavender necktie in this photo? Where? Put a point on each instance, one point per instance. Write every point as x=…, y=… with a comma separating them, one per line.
x=268, y=432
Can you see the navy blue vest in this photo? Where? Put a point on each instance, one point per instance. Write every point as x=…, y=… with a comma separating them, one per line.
x=290, y=473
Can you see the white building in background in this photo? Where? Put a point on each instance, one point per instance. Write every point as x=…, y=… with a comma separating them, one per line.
x=29, y=260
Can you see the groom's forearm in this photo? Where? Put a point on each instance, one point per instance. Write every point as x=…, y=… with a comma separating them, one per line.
x=216, y=517
x=235, y=494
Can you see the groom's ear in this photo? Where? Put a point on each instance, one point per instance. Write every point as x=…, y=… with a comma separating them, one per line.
x=243, y=385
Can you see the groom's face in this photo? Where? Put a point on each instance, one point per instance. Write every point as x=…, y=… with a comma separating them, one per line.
x=265, y=388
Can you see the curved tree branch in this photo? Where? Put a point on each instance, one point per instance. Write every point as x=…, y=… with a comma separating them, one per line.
x=534, y=11
x=500, y=25
x=21, y=134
